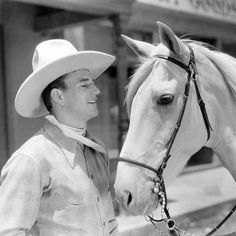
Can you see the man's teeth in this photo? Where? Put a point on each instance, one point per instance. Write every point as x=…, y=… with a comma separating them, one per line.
x=92, y=102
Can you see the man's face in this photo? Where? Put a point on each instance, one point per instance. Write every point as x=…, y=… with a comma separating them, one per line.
x=80, y=96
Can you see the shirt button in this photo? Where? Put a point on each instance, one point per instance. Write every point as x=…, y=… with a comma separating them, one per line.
x=108, y=190
x=91, y=176
x=104, y=223
x=98, y=199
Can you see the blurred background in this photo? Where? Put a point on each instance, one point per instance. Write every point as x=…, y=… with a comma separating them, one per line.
x=97, y=25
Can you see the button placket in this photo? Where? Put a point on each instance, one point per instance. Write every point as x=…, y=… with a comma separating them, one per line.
x=98, y=200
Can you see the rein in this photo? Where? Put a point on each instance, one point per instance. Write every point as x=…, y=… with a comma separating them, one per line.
x=159, y=185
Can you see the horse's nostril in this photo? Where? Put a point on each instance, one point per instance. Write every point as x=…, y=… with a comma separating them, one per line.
x=129, y=199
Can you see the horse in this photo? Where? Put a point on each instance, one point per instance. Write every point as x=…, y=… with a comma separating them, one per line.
x=181, y=97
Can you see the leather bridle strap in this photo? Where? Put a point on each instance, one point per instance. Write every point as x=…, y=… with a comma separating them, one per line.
x=192, y=75
x=136, y=163
x=181, y=113
x=200, y=101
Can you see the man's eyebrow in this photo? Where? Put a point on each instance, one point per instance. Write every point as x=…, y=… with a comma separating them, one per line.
x=85, y=79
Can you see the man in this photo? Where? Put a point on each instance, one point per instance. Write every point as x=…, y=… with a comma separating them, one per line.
x=57, y=183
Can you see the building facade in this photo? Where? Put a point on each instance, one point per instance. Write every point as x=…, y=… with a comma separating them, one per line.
x=97, y=25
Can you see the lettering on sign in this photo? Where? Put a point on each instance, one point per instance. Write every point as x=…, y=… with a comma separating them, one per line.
x=222, y=7
x=224, y=10
x=175, y=2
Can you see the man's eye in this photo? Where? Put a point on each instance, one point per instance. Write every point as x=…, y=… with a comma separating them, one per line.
x=86, y=85
x=165, y=99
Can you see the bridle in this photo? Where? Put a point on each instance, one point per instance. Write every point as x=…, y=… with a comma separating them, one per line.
x=159, y=185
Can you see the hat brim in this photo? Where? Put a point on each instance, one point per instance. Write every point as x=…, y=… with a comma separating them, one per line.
x=28, y=101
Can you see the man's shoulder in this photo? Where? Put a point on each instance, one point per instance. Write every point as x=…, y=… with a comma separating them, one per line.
x=35, y=150
x=31, y=156
x=32, y=144
x=23, y=155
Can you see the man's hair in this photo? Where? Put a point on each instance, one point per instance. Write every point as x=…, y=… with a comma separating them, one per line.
x=46, y=94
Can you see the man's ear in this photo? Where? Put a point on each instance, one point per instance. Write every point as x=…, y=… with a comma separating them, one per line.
x=172, y=42
x=57, y=96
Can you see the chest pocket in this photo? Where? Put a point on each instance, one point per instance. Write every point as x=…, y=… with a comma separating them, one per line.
x=63, y=197
x=81, y=195
x=70, y=210
x=72, y=187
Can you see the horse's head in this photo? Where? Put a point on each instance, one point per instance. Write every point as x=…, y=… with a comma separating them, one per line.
x=154, y=100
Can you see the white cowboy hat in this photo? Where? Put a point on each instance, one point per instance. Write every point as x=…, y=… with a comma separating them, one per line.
x=52, y=59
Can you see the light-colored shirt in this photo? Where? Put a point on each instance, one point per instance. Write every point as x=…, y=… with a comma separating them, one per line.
x=54, y=186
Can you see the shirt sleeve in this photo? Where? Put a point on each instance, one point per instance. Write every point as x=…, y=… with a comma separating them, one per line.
x=20, y=193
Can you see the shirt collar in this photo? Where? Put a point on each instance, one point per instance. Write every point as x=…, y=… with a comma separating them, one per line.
x=67, y=145
x=76, y=134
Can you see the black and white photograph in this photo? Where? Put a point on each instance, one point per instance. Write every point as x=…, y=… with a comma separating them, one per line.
x=117, y=117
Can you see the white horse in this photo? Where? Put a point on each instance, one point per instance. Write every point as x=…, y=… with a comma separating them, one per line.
x=154, y=100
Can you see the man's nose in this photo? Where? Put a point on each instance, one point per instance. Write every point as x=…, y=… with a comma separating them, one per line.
x=96, y=90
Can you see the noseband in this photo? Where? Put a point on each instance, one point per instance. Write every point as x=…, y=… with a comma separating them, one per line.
x=159, y=185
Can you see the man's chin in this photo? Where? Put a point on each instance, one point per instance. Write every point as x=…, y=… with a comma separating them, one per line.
x=94, y=114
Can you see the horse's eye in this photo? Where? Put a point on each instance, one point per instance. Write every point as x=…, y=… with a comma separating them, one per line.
x=165, y=99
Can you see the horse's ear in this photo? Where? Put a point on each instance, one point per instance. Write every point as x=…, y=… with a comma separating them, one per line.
x=142, y=49
x=170, y=40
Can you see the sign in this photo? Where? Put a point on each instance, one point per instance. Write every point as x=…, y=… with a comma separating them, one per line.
x=223, y=10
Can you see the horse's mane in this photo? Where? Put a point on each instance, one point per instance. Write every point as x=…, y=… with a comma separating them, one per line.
x=225, y=63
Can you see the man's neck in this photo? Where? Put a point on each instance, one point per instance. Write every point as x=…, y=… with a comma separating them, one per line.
x=78, y=124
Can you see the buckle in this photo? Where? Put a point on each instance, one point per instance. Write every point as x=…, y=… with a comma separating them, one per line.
x=156, y=187
x=170, y=224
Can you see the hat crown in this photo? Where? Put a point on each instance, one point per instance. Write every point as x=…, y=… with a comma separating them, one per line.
x=50, y=51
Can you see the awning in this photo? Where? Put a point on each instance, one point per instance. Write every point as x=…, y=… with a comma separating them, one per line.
x=98, y=7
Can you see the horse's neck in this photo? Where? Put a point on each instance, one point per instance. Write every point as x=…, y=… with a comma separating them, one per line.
x=226, y=151
x=225, y=145
x=174, y=167
x=222, y=110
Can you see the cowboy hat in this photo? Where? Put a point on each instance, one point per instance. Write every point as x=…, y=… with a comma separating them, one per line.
x=52, y=59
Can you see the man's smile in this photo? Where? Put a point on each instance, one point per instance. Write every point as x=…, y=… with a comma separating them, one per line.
x=92, y=101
